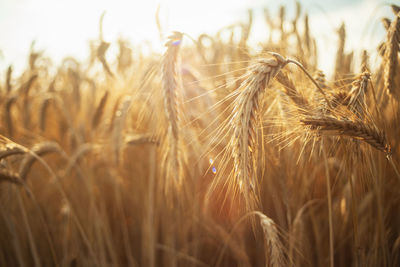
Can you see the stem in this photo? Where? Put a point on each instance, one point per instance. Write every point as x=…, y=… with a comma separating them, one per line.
x=328, y=187
x=390, y=159
x=379, y=114
x=312, y=79
x=355, y=221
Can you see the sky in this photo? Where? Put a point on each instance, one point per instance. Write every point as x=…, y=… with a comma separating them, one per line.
x=62, y=28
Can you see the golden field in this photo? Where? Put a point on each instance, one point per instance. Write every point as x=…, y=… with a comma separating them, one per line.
x=207, y=154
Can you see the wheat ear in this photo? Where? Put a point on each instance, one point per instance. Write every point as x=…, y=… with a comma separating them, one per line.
x=139, y=139
x=275, y=253
x=101, y=54
x=273, y=246
x=171, y=82
x=9, y=148
x=246, y=112
x=357, y=130
x=340, y=56
x=43, y=113
x=319, y=77
x=365, y=61
x=390, y=56
x=8, y=79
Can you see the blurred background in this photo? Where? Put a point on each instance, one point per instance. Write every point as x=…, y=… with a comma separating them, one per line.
x=63, y=28
x=142, y=161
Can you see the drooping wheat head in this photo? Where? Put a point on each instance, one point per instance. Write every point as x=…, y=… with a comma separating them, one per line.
x=245, y=122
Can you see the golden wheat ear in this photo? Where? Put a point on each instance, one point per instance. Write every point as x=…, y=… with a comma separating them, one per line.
x=246, y=123
x=356, y=130
x=171, y=87
x=274, y=249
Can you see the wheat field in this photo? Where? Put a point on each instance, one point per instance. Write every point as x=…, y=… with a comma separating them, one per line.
x=207, y=154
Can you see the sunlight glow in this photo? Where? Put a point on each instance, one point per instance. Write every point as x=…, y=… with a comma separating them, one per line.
x=63, y=28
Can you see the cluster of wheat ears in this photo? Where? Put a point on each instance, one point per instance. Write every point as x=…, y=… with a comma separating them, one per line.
x=210, y=154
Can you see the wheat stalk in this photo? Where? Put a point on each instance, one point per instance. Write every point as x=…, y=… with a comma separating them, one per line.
x=306, y=37
x=118, y=126
x=38, y=150
x=101, y=54
x=99, y=110
x=292, y=93
x=43, y=113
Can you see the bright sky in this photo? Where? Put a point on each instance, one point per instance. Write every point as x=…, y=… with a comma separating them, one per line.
x=63, y=27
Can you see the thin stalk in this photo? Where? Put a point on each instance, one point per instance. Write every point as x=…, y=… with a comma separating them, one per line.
x=355, y=221
x=312, y=79
x=328, y=187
